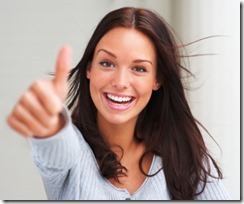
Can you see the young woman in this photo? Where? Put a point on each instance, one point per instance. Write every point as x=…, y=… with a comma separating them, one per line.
x=131, y=134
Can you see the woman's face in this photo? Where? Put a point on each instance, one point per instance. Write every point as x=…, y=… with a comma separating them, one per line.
x=122, y=75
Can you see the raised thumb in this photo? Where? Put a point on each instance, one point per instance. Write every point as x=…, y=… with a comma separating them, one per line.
x=63, y=66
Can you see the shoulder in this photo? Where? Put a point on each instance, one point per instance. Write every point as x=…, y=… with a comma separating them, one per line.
x=213, y=188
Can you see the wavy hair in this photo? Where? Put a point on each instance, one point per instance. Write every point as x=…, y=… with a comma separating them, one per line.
x=167, y=117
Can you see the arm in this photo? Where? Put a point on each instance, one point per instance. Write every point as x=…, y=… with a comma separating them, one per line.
x=214, y=189
x=58, y=152
x=55, y=156
x=39, y=116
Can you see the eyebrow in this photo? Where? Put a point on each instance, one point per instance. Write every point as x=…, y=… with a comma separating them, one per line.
x=106, y=51
x=114, y=56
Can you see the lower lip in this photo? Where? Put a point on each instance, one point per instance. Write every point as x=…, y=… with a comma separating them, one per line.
x=116, y=106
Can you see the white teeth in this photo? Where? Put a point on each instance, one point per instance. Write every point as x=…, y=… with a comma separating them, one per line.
x=118, y=99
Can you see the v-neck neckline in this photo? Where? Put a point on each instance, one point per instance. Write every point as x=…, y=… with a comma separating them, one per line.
x=124, y=189
x=140, y=187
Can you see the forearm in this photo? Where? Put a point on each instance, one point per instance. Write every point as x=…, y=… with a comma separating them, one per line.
x=57, y=153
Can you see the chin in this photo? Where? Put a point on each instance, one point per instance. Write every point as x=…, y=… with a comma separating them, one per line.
x=119, y=119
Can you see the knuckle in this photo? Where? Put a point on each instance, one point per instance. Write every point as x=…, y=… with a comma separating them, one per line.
x=17, y=109
x=24, y=97
x=38, y=84
x=10, y=119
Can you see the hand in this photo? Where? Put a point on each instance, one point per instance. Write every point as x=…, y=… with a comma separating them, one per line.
x=38, y=111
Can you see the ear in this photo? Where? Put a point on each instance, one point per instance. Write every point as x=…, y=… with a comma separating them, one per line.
x=88, y=74
x=156, y=86
x=88, y=70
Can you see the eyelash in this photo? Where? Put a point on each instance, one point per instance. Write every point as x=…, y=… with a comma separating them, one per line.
x=110, y=64
x=106, y=64
x=139, y=69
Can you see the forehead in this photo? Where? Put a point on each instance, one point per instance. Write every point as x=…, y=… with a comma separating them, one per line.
x=128, y=40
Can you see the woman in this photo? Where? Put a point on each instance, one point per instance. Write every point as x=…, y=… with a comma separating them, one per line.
x=131, y=134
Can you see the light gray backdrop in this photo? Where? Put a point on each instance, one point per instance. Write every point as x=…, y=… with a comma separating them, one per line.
x=31, y=33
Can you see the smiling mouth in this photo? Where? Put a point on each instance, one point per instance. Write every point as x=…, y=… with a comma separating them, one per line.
x=119, y=99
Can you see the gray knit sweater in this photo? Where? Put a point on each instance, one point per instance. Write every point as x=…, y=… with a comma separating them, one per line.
x=70, y=172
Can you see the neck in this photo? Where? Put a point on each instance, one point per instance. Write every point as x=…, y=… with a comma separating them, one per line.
x=118, y=135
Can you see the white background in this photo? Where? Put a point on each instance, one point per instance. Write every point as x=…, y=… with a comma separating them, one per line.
x=31, y=33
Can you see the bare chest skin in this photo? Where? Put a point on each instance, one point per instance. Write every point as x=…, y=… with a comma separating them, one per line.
x=135, y=178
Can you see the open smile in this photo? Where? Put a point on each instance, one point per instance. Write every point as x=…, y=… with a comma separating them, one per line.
x=118, y=102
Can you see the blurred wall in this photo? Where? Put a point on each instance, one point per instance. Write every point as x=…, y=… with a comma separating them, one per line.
x=33, y=31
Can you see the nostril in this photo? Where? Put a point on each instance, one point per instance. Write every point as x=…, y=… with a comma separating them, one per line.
x=120, y=84
x=120, y=79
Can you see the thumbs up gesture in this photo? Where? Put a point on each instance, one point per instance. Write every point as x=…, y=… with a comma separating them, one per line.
x=37, y=113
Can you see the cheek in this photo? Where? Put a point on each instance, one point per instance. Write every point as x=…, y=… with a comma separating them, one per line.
x=95, y=86
x=144, y=91
x=95, y=91
x=98, y=81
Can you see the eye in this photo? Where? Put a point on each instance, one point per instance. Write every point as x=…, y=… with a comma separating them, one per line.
x=139, y=69
x=106, y=64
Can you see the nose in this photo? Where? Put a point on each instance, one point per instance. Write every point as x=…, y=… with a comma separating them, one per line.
x=120, y=80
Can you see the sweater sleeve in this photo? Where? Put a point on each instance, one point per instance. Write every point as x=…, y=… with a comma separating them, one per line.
x=56, y=155
x=214, y=189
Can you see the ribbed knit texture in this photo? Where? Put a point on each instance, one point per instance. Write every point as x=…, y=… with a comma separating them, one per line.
x=70, y=172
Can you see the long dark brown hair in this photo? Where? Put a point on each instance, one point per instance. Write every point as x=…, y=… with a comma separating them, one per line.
x=167, y=117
